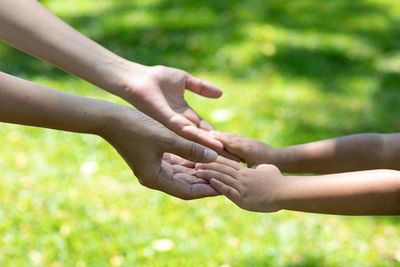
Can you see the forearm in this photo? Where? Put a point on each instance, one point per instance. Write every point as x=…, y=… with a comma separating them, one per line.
x=30, y=27
x=349, y=153
x=373, y=192
x=23, y=102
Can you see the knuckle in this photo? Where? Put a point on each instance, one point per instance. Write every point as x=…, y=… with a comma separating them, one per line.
x=191, y=149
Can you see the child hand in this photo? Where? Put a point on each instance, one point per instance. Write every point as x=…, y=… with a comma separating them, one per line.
x=251, y=189
x=251, y=151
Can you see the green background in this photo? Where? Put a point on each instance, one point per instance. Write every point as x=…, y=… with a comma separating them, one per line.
x=291, y=71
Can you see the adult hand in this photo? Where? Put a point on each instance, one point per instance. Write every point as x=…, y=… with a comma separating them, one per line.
x=159, y=92
x=141, y=141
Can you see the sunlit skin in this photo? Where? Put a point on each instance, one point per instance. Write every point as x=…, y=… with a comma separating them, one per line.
x=344, y=154
x=345, y=191
x=157, y=91
x=139, y=139
x=265, y=189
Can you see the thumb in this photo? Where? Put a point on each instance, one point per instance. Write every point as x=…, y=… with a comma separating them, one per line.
x=192, y=151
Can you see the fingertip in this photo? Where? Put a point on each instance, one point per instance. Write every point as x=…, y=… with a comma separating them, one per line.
x=210, y=155
x=202, y=87
x=261, y=166
x=215, y=182
x=216, y=143
x=198, y=166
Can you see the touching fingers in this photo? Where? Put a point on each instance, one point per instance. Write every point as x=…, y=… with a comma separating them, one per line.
x=190, y=179
x=209, y=174
x=229, y=163
x=218, y=167
x=174, y=160
x=233, y=143
x=188, y=149
x=228, y=155
x=201, y=136
x=178, y=186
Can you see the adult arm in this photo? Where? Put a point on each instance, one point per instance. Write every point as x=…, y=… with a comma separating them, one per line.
x=140, y=140
x=157, y=91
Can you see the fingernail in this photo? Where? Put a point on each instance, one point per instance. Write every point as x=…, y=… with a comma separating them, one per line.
x=210, y=155
x=197, y=166
x=199, y=172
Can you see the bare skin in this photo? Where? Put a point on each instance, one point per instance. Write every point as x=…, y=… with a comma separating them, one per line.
x=157, y=91
x=265, y=189
x=344, y=154
x=139, y=139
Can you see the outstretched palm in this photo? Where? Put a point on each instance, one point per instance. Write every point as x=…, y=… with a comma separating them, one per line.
x=160, y=94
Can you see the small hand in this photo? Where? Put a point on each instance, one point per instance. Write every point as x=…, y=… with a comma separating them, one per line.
x=182, y=169
x=250, y=151
x=251, y=189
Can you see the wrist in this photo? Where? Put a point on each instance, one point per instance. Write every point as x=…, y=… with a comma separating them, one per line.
x=285, y=196
x=122, y=76
x=107, y=118
x=285, y=159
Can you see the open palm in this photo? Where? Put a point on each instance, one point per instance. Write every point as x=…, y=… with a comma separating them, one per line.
x=160, y=94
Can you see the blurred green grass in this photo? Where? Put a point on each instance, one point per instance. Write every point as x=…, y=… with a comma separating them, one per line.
x=292, y=72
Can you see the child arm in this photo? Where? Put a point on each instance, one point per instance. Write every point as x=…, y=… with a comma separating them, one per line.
x=344, y=154
x=372, y=192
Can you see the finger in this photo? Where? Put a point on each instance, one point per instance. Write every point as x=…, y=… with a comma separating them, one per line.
x=186, y=163
x=232, y=142
x=175, y=168
x=196, y=134
x=190, y=179
x=165, y=181
x=229, y=163
x=191, y=115
x=187, y=129
x=174, y=160
x=202, y=191
x=218, y=167
x=180, y=188
x=209, y=174
x=167, y=157
x=226, y=190
x=228, y=155
x=183, y=169
x=204, y=125
x=190, y=150
x=202, y=87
